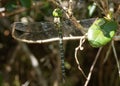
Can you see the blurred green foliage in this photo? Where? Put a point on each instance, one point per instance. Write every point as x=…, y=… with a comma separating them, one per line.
x=11, y=5
x=26, y=3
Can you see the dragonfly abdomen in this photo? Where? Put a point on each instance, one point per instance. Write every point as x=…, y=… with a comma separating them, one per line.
x=61, y=52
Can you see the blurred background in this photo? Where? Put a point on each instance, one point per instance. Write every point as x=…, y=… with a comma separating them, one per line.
x=23, y=64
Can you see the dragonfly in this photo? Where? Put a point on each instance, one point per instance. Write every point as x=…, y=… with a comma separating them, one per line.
x=44, y=32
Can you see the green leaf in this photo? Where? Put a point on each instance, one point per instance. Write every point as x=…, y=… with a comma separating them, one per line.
x=26, y=3
x=11, y=5
x=101, y=32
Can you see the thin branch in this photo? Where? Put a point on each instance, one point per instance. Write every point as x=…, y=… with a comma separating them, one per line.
x=23, y=9
x=82, y=40
x=26, y=83
x=107, y=54
x=116, y=58
x=35, y=64
x=46, y=40
x=92, y=67
x=117, y=13
x=116, y=38
x=98, y=4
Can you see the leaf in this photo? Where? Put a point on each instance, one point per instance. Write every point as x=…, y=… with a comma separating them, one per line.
x=11, y=5
x=101, y=32
x=26, y=3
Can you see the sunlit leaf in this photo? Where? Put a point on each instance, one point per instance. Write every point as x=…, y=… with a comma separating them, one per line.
x=101, y=32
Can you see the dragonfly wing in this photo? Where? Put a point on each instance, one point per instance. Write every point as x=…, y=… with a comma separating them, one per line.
x=70, y=29
x=34, y=31
x=45, y=30
x=86, y=23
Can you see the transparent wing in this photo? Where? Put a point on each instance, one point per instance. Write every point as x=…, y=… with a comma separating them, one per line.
x=43, y=31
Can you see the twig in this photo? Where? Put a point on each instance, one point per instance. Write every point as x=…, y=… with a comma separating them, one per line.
x=26, y=83
x=35, y=64
x=117, y=13
x=93, y=65
x=116, y=38
x=116, y=58
x=82, y=40
x=98, y=4
x=46, y=40
x=107, y=54
x=23, y=9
